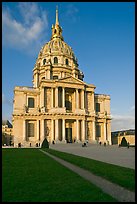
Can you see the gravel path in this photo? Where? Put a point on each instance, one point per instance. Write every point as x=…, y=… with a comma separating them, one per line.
x=121, y=194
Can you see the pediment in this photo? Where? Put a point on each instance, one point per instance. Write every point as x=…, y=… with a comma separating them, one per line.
x=71, y=79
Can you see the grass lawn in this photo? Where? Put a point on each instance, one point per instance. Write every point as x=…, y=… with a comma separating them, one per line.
x=122, y=176
x=28, y=175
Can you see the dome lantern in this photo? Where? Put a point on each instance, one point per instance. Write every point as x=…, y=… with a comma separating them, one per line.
x=56, y=29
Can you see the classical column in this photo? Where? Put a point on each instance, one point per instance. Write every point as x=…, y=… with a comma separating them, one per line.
x=42, y=130
x=83, y=130
x=93, y=128
x=109, y=131
x=52, y=98
x=36, y=80
x=86, y=130
x=24, y=130
x=105, y=131
x=48, y=74
x=63, y=129
x=63, y=97
x=77, y=129
x=93, y=106
x=63, y=74
x=52, y=130
x=77, y=99
x=37, y=129
x=56, y=97
x=56, y=129
x=82, y=99
x=42, y=97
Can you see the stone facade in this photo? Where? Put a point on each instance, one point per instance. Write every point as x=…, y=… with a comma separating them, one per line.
x=7, y=133
x=117, y=136
x=60, y=106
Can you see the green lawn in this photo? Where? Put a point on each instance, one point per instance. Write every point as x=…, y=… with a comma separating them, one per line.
x=122, y=176
x=29, y=175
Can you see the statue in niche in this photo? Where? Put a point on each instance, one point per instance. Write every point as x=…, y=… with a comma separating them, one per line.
x=47, y=131
x=38, y=109
x=26, y=109
x=42, y=109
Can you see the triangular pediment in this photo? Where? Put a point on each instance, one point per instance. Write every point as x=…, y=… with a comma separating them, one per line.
x=71, y=79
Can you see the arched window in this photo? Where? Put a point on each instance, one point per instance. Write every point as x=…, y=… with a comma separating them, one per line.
x=67, y=62
x=55, y=60
x=44, y=61
x=55, y=31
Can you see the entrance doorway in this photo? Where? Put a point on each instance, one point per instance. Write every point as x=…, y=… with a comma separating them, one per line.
x=69, y=135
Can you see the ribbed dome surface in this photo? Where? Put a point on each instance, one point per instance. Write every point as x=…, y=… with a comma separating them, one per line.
x=57, y=47
x=56, y=58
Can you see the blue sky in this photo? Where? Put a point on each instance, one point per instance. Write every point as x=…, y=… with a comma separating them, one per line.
x=101, y=34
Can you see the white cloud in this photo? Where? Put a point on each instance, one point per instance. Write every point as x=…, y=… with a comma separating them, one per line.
x=28, y=32
x=122, y=122
x=71, y=13
x=29, y=11
x=133, y=107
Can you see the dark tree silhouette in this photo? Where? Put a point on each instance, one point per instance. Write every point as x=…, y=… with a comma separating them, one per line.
x=45, y=144
x=123, y=142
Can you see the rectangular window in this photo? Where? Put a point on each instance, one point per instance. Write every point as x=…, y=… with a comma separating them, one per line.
x=31, y=102
x=98, y=131
x=97, y=107
x=55, y=77
x=30, y=129
x=68, y=105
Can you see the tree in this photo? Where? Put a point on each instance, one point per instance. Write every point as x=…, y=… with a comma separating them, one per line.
x=123, y=142
x=45, y=144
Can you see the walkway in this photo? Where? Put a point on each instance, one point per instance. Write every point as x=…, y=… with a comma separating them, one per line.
x=114, y=190
x=112, y=154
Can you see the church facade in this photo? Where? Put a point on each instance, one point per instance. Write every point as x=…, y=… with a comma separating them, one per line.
x=60, y=106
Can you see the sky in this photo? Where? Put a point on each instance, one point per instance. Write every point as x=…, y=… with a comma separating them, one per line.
x=101, y=34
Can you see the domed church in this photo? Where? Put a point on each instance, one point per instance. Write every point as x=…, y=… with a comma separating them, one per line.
x=60, y=107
